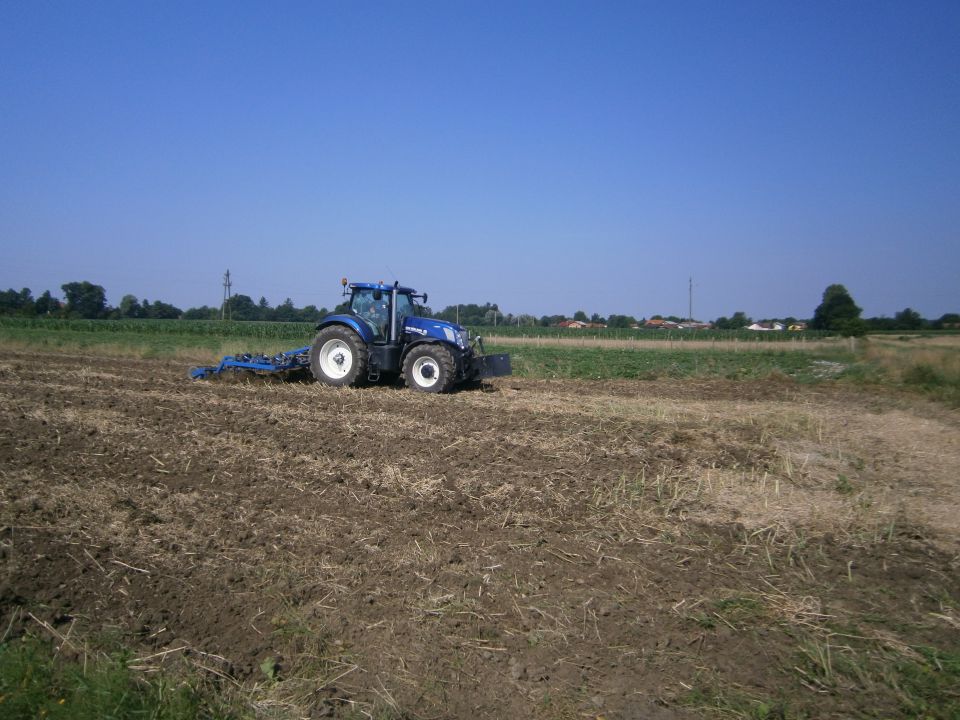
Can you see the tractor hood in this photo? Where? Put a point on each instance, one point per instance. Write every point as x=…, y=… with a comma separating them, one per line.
x=441, y=330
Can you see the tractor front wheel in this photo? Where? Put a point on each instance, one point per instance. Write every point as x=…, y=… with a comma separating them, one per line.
x=429, y=368
x=339, y=357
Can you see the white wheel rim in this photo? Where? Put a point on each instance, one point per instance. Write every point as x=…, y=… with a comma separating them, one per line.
x=336, y=359
x=426, y=372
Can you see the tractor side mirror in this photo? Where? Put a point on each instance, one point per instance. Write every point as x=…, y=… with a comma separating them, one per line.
x=424, y=298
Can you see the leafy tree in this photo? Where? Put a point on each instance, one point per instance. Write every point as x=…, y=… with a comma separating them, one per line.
x=202, y=313
x=13, y=302
x=740, y=320
x=880, y=323
x=162, y=311
x=47, y=304
x=581, y=316
x=130, y=308
x=285, y=312
x=493, y=316
x=836, y=308
x=598, y=318
x=242, y=307
x=471, y=314
x=737, y=322
x=947, y=320
x=311, y=314
x=621, y=321
x=908, y=319
x=85, y=300
x=851, y=327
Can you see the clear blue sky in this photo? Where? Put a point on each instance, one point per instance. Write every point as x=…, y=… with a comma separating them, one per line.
x=548, y=156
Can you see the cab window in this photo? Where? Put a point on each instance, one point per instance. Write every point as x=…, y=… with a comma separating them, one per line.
x=405, y=307
x=373, y=306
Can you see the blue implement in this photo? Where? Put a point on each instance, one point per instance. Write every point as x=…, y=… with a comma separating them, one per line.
x=281, y=362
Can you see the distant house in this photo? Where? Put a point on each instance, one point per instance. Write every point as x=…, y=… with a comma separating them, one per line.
x=796, y=327
x=575, y=324
x=661, y=324
x=693, y=325
x=767, y=326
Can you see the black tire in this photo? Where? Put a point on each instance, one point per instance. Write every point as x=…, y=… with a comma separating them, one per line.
x=429, y=368
x=339, y=357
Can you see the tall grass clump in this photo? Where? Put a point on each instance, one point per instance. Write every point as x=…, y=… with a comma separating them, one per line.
x=930, y=366
x=36, y=682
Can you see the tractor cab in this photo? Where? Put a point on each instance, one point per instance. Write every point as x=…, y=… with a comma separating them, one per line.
x=383, y=308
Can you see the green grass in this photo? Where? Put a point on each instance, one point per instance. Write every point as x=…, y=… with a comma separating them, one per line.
x=530, y=331
x=147, y=341
x=202, y=328
x=609, y=363
x=218, y=328
x=919, y=682
x=203, y=341
x=927, y=365
x=35, y=682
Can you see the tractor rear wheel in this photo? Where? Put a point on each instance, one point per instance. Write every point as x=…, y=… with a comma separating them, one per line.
x=339, y=357
x=429, y=368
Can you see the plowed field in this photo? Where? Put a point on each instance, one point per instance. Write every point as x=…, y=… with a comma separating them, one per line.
x=528, y=549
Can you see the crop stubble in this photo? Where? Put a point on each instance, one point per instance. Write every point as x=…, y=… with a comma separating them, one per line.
x=536, y=548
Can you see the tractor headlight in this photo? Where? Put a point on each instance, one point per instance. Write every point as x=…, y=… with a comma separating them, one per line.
x=463, y=339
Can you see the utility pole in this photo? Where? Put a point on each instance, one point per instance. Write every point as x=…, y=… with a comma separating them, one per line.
x=458, y=314
x=690, y=307
x=225, y=308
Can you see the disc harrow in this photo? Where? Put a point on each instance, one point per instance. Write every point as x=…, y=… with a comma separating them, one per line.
x=296, y=359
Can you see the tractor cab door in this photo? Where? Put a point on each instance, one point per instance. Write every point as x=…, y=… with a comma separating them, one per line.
x=405, y=308
x=373, y=307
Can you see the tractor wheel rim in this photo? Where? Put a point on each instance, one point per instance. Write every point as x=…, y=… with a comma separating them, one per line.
x=336, y=359
x=426, y=372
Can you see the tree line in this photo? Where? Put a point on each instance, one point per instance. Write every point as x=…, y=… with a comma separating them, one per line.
x=89, y=301
x=837, y=312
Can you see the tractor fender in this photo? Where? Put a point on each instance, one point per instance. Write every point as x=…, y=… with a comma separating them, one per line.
x=457, y=352
x=358, y=326
x=429, y=341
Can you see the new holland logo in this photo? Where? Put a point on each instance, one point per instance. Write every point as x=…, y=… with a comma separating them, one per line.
x=411, y=329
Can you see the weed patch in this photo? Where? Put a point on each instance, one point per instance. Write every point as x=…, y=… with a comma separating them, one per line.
x=36, y=682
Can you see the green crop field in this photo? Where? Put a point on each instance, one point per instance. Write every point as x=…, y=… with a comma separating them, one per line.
x=924, y=362
x=205, y=341
x=610, y=363
x=531, y=331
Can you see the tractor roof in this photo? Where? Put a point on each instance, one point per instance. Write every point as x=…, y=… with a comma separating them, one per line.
x=381, y=286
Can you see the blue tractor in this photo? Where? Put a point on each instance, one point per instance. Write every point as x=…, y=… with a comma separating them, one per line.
x=381, y=335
